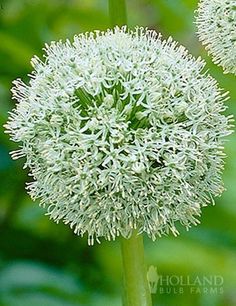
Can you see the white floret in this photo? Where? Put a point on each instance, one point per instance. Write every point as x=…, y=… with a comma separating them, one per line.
x=216, y=24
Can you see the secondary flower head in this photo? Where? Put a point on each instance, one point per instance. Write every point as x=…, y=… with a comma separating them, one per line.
x=216, y=23
x=120, y=130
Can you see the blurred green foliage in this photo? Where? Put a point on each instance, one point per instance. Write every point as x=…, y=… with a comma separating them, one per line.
x=44, y=264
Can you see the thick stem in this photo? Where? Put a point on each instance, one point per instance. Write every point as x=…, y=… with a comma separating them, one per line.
x=117, y=10
x=136, y=289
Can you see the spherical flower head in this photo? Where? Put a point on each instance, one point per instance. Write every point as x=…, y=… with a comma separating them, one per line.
x=120, y=130
x=216, y=23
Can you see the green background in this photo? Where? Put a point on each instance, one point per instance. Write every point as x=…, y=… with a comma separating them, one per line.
x=44, y=264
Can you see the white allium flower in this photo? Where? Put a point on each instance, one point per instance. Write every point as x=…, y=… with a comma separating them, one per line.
x=120, y=131
x=216, y=23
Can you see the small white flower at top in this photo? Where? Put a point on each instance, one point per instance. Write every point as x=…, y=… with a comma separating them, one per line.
x=216, y=24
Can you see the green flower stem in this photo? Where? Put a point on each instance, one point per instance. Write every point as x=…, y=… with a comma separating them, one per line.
x=136, y=289
x=117, y=10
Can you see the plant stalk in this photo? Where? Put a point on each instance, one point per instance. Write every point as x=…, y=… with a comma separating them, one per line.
x=117, y=11
x=136, y=289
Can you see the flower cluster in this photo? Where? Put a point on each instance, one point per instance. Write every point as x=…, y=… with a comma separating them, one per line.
x=120, y=130
x=216, y=23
